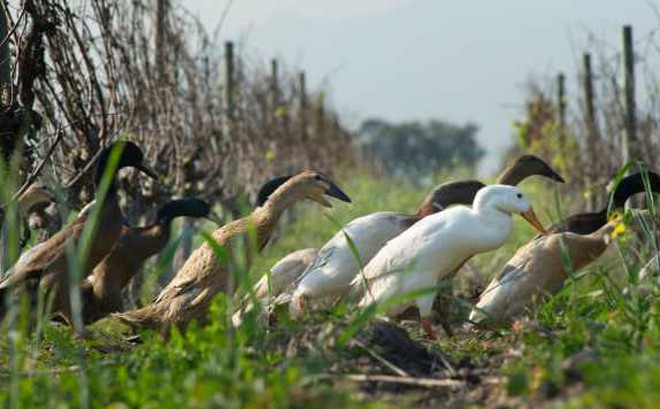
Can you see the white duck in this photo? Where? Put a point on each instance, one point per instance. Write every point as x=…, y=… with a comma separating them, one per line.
x=436, y=246
x=284, y=272
x=280, y=276
x=336, y=266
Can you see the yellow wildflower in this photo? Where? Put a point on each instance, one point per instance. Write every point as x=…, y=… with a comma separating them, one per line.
x=619, y=225
x=270, y=155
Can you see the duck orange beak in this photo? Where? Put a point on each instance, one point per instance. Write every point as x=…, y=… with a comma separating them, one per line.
x=531, y=218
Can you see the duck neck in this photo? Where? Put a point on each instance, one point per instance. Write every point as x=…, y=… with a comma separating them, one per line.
x=25, y=204
x=602, y=235
x=427, y=209
x=512, y=175
x=585, y=249
x=154, y=238
x=492, y=216
x=98, y=176
x=267, y=216
x=629, y=186
x=139, y=243
x=165, y=219
x=600, y=217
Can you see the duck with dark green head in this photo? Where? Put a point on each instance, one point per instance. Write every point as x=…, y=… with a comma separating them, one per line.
x=101, y=291
x=48, y=262
x=587, y=223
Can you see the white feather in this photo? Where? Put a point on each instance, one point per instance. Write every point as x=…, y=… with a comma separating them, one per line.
x=434, y=247
x=283, y=273
x=336, y=265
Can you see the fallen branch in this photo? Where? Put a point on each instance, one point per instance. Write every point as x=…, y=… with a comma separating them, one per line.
x=381, y=359
x=403, y=380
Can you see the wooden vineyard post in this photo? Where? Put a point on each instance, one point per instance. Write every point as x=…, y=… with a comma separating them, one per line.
x=160, y=16
x=561, y=109
x=5, y=56
x=629, y=145
x=229, y=86
x=590, y=125
x=302, y=109
x=320, y=130
x=274, y=92
x=302, y=114
x=5, y=84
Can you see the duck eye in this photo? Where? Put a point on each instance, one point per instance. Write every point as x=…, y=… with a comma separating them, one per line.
x=317, y=177
x=519, y=195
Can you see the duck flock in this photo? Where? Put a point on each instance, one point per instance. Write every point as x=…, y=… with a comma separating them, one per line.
x=385, y=262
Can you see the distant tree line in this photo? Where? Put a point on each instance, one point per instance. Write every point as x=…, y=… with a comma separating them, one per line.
x=416, y=149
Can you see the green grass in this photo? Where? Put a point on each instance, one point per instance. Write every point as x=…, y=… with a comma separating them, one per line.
x=257, y=367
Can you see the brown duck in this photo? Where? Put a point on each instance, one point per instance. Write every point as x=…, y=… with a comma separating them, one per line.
x=48, y=263
x=585, y=223
x=35, y=194
x=524, y=167
x=536, y=271
x=101, y=291
x=188, y=296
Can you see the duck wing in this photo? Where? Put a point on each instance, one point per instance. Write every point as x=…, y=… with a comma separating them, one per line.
x=285, y=272
x=351, y=248
x=401, y=258
x=36, y=261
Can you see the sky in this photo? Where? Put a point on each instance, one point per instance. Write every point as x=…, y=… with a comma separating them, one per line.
x=401, y=60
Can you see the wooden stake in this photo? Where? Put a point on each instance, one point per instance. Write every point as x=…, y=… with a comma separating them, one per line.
x=274, y=93
x=302, y=110
x=160, y=15
x=229, y=82
x=591, y=127
x=629, y=145
x=5, y=56
x=561, y=108
x=274, y=80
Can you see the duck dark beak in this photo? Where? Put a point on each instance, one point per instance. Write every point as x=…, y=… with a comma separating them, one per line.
x=215, y=218
x=551, y=174
x=148, y=171
x=531, y=218
x=337, y=193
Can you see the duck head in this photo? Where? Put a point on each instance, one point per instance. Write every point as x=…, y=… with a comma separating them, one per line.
x=526, y=166
x=190, y=207
x=268, y=188
x=35, y=194
x=633, y=184
x=510, y=200
x=131, y=155
x=310, y=185
x=447, y=194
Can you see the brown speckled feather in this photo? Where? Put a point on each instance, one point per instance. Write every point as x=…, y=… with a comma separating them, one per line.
x=190, y=293
x=57, y=273
x=536, y=270
x=101, y=292
x=202, y=276
x=48, y=261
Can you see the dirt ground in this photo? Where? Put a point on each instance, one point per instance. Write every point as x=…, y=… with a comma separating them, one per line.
x=383, y=362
